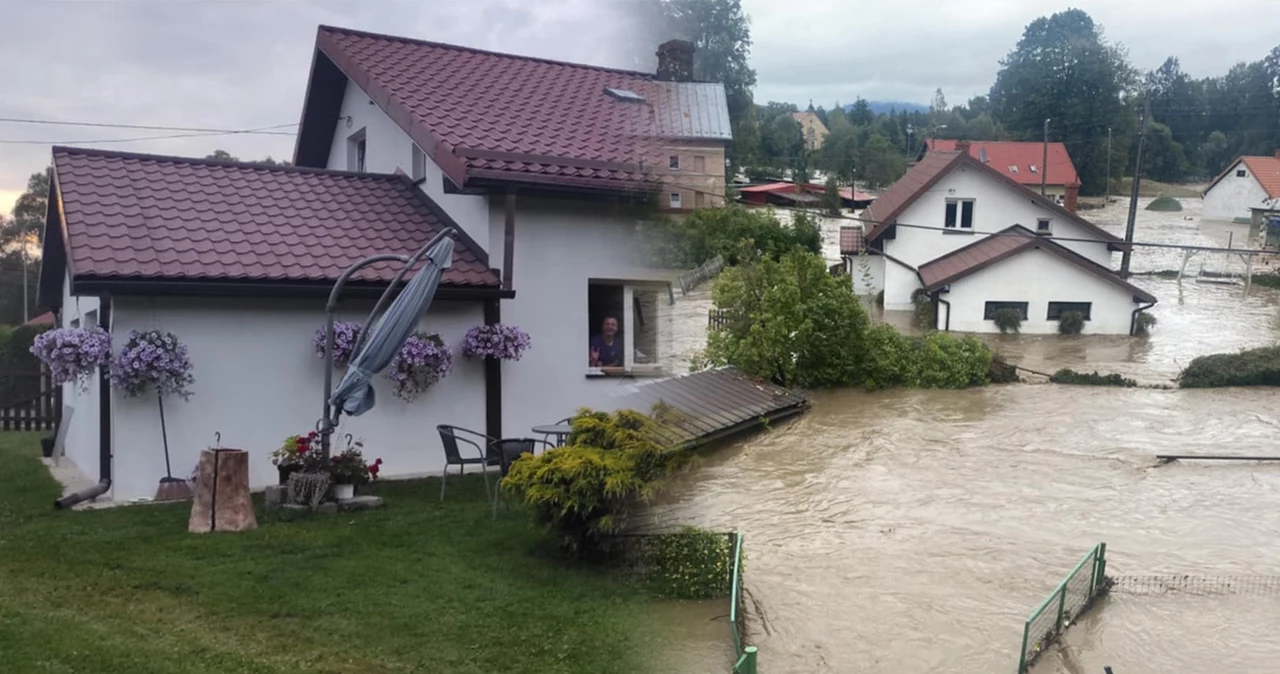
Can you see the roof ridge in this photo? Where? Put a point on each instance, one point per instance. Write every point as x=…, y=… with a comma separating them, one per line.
x=489, y=52
x=204, y=161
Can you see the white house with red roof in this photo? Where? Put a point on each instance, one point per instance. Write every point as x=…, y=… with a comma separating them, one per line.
x=543, y=167
x=1248, y=184
x=965, y=237
x=1029, y=164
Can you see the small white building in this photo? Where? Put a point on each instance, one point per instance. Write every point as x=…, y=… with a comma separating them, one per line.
x=975, y=241
x=539, y=165
x=1249, y=183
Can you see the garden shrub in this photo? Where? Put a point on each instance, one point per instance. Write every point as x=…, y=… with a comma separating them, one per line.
x=582, y=491
x=924, y=315
x=706, y=233
x=1267, y=280
x=1164, y=203
x=1008, y=320
x=1251, y=367
x=1069, y=376
x=1144, y=324
x=1070, y=323
x=689, y=564
x=880, y=299
x=1002, y=371
x=937, y=360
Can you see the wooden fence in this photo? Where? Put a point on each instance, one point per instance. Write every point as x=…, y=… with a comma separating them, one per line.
x=29, y=400
x=695, y=277
x=718, y=318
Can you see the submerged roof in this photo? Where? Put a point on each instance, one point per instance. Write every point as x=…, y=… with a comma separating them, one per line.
x=1003, y=245
x=148, y=217
x=484, y=115
x=932, y=169
x=1265, y=170
x=1022, y=162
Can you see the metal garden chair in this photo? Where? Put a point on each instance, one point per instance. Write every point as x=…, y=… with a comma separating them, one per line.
x=508, y=450
x=485, y=454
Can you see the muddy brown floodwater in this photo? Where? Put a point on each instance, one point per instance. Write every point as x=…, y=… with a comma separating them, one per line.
x=914, y=531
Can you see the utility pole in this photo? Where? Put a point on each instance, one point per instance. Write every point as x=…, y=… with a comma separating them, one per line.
x=1133, y=194
x=1107, y=199
x=26, y=313
x=1044, y=163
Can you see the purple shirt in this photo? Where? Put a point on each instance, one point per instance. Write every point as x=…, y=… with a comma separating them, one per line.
x=610, y=354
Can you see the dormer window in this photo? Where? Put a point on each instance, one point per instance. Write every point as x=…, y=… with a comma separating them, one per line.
x=1044, y=226
x=1032, y=167
x=1013, y=168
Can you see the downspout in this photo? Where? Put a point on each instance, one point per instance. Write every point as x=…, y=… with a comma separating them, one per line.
x=492, y=377
x=104, y=426
x=1133, y=318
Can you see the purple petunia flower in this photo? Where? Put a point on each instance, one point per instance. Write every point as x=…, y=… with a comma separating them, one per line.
x=504, y=342
x=345, y=336
x=423, y=360
x=73, y=354
x=153, y=359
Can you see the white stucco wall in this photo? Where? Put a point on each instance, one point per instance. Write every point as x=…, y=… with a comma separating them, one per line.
x=82, y=428
x=899, y=283
x=996, y=207
x=389, y=148
x=559, y=246
x=1233, y=196
x=868, y=273
x=258, y=381
x=1038, y=278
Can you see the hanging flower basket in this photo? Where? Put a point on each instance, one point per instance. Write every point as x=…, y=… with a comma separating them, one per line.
x=73, y=354
x=423, y=360
x=153, y=360
x=503, y=342
x=345, y=336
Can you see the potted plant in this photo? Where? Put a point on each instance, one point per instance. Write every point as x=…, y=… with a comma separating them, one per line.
x=423, y=360
x=503, y=342
x=345, y=336
x=73, y=354
x=289, y=457
x=155, y=360
x=349, y=471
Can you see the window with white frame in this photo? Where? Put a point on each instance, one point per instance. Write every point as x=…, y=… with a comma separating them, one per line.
x=419, y=163
x=959, y=214
x=1044, y=226
x=675, y=200
x=624, y=320
x=356, y=151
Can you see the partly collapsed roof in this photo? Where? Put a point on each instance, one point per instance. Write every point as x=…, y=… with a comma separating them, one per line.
x=1265, y=170
x=135, y=217
x=485, y=116
x=1020, y=161
x=886, y=209
x=1003, y=245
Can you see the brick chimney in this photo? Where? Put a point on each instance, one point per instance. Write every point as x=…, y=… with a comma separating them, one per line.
x=675, y=61
x=962, y=146
x=1070, y=197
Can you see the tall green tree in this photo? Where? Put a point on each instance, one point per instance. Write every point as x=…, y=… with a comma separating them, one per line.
x=880, y=163
x=223, y=155
x=28, y=211
x=1064, y=70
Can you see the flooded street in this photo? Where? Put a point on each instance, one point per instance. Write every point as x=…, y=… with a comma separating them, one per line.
x=914, y=531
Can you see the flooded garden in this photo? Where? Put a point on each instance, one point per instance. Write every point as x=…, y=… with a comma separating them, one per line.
x=914, y=530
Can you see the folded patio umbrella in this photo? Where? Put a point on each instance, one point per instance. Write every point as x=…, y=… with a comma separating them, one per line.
x=376, y=350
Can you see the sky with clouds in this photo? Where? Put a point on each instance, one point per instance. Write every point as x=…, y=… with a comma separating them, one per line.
x=241, y=64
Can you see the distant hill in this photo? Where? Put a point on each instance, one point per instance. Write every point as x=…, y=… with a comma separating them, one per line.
x=881, y=107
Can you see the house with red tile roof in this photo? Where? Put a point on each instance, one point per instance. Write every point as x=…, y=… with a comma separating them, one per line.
x=1024, y=163
x=1248, y=184
x=965, y=237
x=543, y=168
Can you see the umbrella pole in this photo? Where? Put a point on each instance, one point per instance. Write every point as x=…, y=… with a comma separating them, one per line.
x=164, y=433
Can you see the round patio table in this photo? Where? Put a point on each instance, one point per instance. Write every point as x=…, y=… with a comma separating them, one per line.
x=561, y=431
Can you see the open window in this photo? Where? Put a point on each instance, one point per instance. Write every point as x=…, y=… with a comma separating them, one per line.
x=624, y=320
x=356, y=151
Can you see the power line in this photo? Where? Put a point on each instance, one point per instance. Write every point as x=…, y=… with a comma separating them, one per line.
x=259, y=131
x=145, y=127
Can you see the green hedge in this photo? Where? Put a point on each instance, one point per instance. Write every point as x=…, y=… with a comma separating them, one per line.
x=1251, y=367
x=1069, y=376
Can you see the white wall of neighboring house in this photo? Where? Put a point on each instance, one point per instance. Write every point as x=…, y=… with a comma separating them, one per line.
x=258, y=381
x=899, y=283
x=559, y=247
x=868, y=273
x=1234, y=195
x=82, y=445
x=1036, y=277
x=389, y=148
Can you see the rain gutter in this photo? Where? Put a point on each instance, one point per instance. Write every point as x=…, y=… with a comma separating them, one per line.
x=104, y=425
x=1133, y=318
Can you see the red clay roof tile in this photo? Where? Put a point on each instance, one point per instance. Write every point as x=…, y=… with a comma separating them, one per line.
x=851, y=241
x=1266, y=170
x=1015, y=159
x=152, y=217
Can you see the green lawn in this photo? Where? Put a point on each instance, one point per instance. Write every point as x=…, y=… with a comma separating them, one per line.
x=419, y=586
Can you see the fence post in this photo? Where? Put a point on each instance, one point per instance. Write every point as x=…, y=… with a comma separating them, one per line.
x=747, y=662
x=1100, y=578
x=1062, y=605
x=1022, y=659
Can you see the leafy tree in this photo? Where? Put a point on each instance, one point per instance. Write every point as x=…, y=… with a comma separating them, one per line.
x=793, y=322
x=839, y=151
x=1163, y=158
x=706, y=233
x=223, y=155
x=860, y=114
x=831, y=197
x=836, y=118
x=19, y=239
x=28, y=212
x=1063, y=69
x=880, y=164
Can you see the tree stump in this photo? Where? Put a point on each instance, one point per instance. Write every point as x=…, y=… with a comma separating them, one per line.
x=222, y=501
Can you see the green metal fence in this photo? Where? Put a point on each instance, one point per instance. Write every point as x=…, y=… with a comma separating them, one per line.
x=746, y=655
x=1072, y=597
